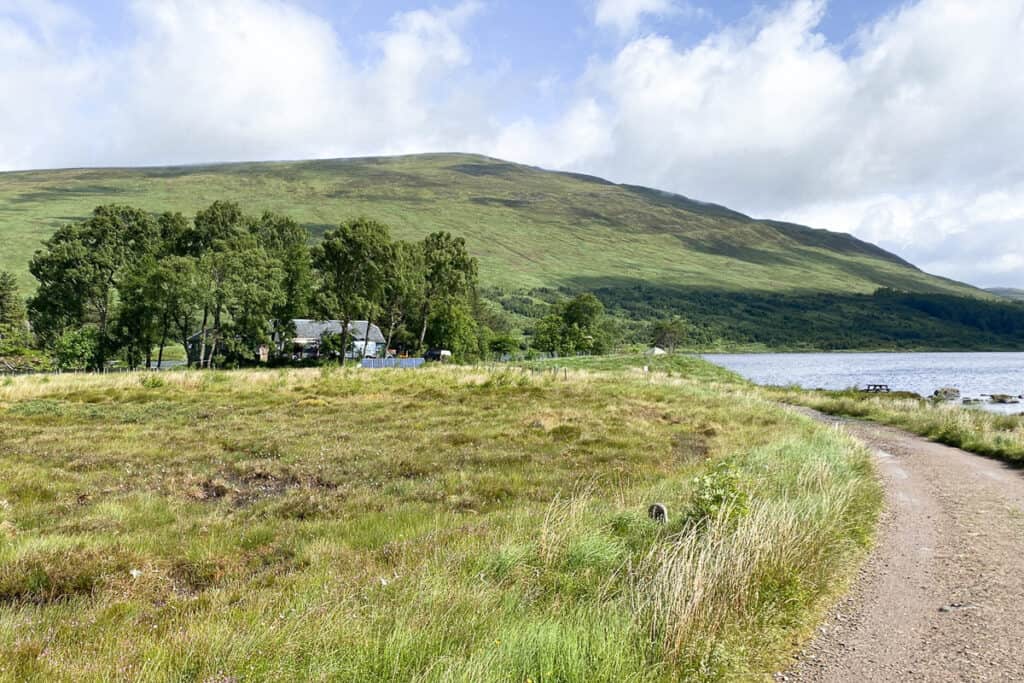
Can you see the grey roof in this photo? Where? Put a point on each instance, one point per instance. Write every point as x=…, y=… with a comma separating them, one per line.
x=315, y=329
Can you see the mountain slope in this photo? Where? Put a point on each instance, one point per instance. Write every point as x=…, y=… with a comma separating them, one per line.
x=529, y=227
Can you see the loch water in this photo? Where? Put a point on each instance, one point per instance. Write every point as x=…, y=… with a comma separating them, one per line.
x=974, y=374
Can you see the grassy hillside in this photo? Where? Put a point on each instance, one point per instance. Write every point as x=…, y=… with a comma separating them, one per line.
x=437, y=525
x=530, y=228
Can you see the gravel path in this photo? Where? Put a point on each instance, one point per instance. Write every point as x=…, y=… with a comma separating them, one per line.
x=942, y=596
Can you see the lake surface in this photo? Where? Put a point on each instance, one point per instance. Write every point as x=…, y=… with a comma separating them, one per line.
x=973, y=374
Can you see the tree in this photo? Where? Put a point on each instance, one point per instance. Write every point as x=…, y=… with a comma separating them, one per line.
x=453, y=327
x=404, y=286
x=252, y=292
x=238, y=290
x=139, y=316
x=503, y=344
x=179, y=283
x=175, y=234
x=76, y=348
x=450, y=275
x=157, y=304
x=213, y=227
x=547, y=334
x=12, y=310
x=81, y=268
x=13, y=329
x=585, y=311
x=216, y=230
x=668, y=333
x=576, y=326
x=286, y=241
x=583, y=317
x=352, y=263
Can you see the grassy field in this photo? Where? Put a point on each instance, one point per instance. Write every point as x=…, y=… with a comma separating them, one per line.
x=530, y=228
x=683, y=365
x=438, y=525
x=977, y=431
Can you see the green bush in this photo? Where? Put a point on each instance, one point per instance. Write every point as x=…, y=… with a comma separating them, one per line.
x=716, y=491
x=152, y=381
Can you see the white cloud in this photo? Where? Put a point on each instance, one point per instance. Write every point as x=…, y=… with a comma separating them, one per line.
x=230, y=80
x=42, y=71
x=625, y=15
x=580, y=134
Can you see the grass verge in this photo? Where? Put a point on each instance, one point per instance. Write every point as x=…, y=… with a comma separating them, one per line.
x=977, y=431
x=438, y=525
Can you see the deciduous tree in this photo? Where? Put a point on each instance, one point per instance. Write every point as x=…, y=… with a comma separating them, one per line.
x=81, y=268
x=353, y=262
x=450, y=275
x=13, y=330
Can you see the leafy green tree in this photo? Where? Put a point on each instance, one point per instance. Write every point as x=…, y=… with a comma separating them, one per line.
x=450, y=276
x=178, y=285
x=668, y=333
x=503, y=344
x=583, y=317
x=239, y=287
x=157, y=305
x=12, y=310
x=176, y=234
x=585, y=311
x=217, y=231
x=453, y=327
x=286, y=241
x=81, y=268
x=404, y=291
x=547, y=334
x=139, y=315
x=76, y=348
x=13, y=329
x=353, y=262
x=577, y=326
x=253, y=292
x=218, y=225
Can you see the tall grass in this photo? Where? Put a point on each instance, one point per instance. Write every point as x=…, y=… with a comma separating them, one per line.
x=440, y=525
x=974, y=430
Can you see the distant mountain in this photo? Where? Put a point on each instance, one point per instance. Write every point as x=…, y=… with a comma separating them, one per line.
x=1008, y=293
x=529, y=227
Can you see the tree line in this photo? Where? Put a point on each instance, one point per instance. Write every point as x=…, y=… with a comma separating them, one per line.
x=125, y=284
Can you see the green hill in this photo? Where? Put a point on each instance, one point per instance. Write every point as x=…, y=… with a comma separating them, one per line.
x=529, y=227
x=737, y=282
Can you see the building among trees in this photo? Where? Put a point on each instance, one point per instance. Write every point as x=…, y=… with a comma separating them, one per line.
x=317, y=339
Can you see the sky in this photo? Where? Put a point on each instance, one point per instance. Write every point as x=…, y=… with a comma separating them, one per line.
x=901, y=122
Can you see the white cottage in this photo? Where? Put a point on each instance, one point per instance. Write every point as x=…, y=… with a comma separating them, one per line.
x=365, y=339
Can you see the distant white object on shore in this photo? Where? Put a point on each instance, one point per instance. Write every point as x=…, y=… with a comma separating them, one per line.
x=656, y=351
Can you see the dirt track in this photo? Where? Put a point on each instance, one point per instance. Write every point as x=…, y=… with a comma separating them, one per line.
x=942, y=597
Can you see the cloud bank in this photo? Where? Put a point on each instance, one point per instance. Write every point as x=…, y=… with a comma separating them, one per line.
x=909, y=135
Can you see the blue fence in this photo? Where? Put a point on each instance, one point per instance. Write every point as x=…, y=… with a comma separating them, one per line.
x=403, y=363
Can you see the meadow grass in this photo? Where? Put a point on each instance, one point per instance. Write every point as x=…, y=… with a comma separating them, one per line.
x=689, y=366
x=438, y=525
x=977, y=431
